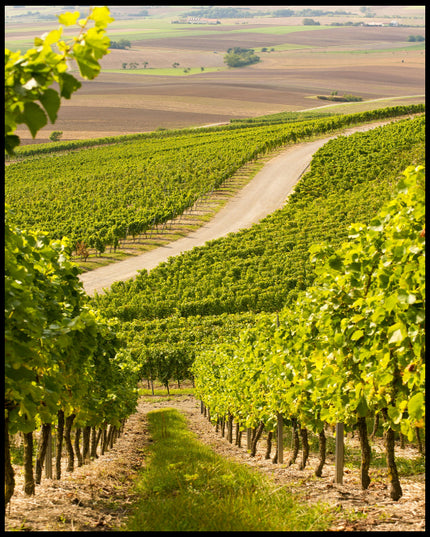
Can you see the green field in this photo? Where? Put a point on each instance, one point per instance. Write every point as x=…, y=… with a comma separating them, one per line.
x=144, y=29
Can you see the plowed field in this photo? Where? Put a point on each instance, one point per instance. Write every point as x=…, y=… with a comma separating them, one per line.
x=372, y=63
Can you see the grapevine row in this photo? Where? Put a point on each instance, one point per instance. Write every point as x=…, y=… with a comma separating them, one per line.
x=101, y=195
x=261, y=269
x=350, y=347
x=64, y=364
x=212, y=292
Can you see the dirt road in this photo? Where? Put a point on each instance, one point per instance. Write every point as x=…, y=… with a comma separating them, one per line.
x=267, y=192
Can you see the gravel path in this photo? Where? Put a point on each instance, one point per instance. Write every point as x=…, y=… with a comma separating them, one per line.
x=266, y=193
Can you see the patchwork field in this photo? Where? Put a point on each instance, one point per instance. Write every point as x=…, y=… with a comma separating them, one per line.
x=300, y=63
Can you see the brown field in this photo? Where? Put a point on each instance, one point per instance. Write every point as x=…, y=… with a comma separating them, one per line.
x=350, y=60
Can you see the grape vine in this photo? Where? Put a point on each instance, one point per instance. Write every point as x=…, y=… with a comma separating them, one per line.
x=350, y=347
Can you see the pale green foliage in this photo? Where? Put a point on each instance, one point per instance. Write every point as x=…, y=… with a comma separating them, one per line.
x=371, y=316
x=352, y=345
x=59, y=352
x=29, y=97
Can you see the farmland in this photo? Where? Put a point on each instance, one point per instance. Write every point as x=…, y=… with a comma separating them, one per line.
x=302, y=327
x=306, y=61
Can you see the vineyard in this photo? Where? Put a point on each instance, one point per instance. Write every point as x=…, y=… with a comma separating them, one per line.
x=350, y=347
x=103, y=195
x=205, y=294
x=268, y=268
x=312, y=317
x=64, y=363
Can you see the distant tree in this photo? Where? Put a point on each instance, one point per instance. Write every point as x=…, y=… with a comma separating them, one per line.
x=310, y=22
x=238, y=57
x=283, y=13
x=264, y=49
x=121, y=44
x=202, y=68
x=124, y=65
x=145, y=64
x=221, y=12
x=175, y=64
x=416, y=38
x=55, y=136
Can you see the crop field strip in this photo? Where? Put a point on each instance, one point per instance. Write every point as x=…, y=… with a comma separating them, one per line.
x=143, y=32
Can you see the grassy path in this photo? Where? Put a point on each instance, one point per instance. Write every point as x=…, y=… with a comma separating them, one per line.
x=186, y=486
x=194, y=470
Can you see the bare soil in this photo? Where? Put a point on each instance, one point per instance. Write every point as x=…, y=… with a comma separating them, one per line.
x=285, y=80
x=99, y=496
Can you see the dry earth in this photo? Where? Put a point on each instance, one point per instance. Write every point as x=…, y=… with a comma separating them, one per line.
x=285, y=80
x=99, y=495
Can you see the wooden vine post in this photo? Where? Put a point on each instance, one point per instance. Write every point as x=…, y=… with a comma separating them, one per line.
x=280, y=438
x=339, y=454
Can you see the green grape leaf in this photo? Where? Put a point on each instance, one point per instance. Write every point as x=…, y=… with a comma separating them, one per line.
x=415, y=406
x=68, y=84
x=68, y=19
x=357, y=335
x=34, y=117
x=52, y=37
x=396, y=336
x=336, y=262
x=395, y=414
x=51, y=102
x=11, y=141
x=362, y=407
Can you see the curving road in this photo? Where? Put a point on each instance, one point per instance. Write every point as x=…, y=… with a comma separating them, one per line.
x=266, y=193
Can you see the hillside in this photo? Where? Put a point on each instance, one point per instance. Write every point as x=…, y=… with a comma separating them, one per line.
x=270, y=374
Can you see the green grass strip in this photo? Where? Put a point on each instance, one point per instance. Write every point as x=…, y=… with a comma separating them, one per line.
x=186, y=486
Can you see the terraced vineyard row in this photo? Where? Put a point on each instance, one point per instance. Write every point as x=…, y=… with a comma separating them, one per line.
x=262, y=268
